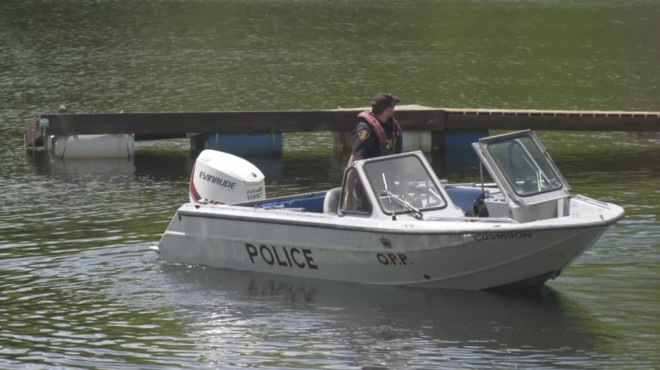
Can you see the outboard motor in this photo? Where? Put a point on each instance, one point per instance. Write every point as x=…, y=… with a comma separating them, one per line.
x=223, y=178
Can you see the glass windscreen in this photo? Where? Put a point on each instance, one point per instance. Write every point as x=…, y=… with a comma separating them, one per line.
x=525, y=167
x=401, y=183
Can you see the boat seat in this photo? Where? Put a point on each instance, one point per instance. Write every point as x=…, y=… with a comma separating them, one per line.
x=464, y=196
x=331, y=201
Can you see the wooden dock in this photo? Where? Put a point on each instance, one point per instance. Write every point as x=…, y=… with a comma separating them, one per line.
x=147, y=126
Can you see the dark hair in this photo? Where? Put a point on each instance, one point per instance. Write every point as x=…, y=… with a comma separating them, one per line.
x=382, y=101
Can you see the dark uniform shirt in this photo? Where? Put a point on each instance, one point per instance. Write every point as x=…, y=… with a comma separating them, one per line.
x=365, y=140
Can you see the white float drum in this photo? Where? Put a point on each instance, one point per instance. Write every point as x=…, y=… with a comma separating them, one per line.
x=223, y=178
x=93, y=146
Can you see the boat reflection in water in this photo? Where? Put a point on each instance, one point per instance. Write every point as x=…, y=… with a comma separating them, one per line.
x=452, y=323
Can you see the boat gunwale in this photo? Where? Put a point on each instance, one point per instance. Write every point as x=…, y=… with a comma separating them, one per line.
x=520, y=227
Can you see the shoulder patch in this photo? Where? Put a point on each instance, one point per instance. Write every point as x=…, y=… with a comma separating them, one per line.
x=363, y=135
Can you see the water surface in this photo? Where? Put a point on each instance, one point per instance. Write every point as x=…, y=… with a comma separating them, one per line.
x=79, y=286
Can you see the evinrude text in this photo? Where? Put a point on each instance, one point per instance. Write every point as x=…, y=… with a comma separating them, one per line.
x=217, y=181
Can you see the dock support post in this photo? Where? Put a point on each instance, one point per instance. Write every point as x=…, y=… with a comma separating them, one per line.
x=412, y=140
x=43, y=125
x=250, y=144
x=342, y=141
x=455, y=146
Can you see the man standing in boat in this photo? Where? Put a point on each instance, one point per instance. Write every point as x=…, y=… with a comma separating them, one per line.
x=377, y=133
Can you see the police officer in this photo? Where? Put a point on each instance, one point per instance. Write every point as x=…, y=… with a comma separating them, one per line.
x=377, y=133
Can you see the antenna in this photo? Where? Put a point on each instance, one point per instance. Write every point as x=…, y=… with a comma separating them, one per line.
x=394, y=141
x=481, y=176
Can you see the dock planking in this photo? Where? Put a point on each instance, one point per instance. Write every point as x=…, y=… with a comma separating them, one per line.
x=147, y=126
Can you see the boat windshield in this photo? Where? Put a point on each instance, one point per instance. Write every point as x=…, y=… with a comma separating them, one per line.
x=402, y=185
x=525, y=166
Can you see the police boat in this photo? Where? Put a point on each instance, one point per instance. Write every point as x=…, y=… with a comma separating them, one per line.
x=394, y=222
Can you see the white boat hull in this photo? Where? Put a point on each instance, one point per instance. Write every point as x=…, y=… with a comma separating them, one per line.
x=456, y=255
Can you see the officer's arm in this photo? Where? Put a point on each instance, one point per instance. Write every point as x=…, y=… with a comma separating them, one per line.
x=349, y=186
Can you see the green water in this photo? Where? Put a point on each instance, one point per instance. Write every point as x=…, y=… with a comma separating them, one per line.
x=79, y=287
